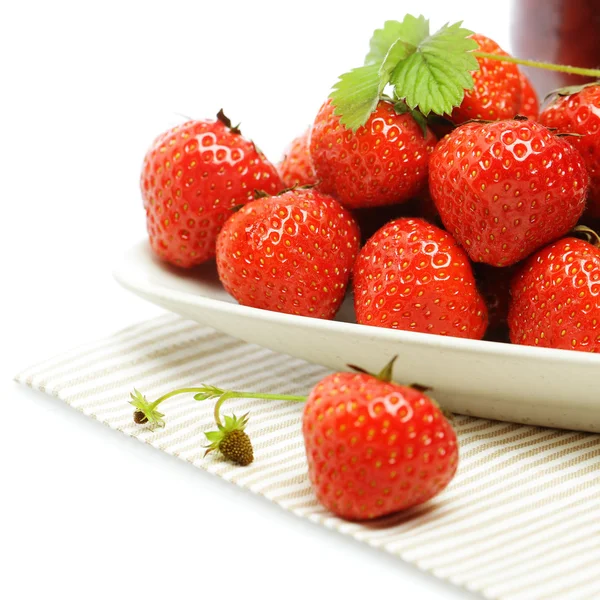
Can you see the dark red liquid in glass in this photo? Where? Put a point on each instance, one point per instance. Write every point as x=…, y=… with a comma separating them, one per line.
x=557, y=31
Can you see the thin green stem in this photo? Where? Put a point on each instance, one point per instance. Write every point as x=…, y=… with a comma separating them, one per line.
x=541, y=65
x=231, y=394
x=218, y=406
x=226, y=395
x=192, y=390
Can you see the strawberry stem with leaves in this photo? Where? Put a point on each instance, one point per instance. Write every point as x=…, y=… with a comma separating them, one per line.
x=229, y=438
x=429, y=72
x=146, y=411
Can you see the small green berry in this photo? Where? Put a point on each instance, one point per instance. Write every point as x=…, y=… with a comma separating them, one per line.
x=231, y=440
x=237, y=447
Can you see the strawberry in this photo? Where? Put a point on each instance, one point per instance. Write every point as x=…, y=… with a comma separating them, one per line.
x=372, y=447
x=556, y=298
x=296, y=167
x=412, y=275
x=193, y=176
x=383, y=162
x=375, y=447
x=496, y=93
x=579, y=113
x=291, y=253
x=530, y=105
x=507, y=188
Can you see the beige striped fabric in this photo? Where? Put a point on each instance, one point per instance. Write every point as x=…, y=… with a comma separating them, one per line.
x=521, y=520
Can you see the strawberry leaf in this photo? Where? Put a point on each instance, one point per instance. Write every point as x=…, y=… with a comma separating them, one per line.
x=430, y=72
x=356, y=94
x=435, y=77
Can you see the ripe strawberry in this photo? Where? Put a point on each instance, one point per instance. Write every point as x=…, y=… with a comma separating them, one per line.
x=374, y=447
x=579, y=113
x=192, y=177
x=383, y=162
x=412, y=275
x=296, y=167
x=556, y=298
x=530, y=105
x=291, y=253
x=506, y=189
x=497, y=91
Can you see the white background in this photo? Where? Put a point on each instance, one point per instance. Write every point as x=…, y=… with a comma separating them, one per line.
x=85, y=87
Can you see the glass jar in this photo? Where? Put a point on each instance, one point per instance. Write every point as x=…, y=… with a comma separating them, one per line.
x=557, y=31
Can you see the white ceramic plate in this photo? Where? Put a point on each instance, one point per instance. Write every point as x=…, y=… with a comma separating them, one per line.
x=556, y=388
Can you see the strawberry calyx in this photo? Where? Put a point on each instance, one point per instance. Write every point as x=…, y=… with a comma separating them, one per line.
x=145, y=411
x=568, y=90
x=227, y=122
x=307, y=186
x=589, y=235
x=386, y=375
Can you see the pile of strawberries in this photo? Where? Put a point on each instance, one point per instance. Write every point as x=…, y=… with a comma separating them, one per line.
x=459, y=227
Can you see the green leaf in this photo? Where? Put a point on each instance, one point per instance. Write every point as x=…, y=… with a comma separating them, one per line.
x=411, y=31
x=213, y=436
x=397, y=52
x=431, y=72
x=435, y=77
x=356, y=94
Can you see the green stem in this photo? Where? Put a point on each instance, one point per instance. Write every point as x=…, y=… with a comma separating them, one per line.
x=225, y=396
x=541, y=65
x=192, y=390
x=231, y=394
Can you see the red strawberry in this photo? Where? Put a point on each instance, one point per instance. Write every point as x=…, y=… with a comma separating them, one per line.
x=291, y=253
x=497, y=91
x=296, y=167
x=556, y=298
x=374, y=447
x=192, y=177
x=580, y=113
x=412, y=275
x=384, y=162
x=506, y=189
x=530, y=105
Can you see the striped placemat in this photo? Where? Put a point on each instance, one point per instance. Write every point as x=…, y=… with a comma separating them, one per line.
x=521, y=520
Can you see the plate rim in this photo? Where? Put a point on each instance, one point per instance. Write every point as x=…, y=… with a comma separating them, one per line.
x=127, y=278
